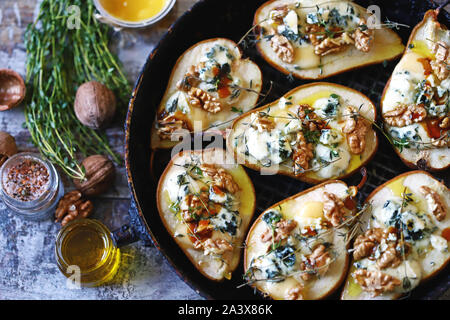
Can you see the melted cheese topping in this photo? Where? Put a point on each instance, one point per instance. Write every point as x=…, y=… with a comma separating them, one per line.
x=223, y=74
x=401, y=205
x=229, y=223
x=268, y=147
x=281, y=267
x=275, y=147
x=406, y=87
x=385, y=44
x=291, y=21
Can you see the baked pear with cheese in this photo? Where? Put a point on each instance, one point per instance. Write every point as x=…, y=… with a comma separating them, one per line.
x=206, y=202
x=315, y=132
x=297, y=248
x=404, y=239
x=415, y=105
x=210, y=84
x=315, y=39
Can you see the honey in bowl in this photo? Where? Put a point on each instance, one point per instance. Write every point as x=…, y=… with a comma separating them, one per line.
x=133, y=10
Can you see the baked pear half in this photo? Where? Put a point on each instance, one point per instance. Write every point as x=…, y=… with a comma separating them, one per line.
x=315, y=132
x=297, y=248
x=415, y=104
x=210, y=84
x=206, y=202
x=404, y=240
x=315, y=39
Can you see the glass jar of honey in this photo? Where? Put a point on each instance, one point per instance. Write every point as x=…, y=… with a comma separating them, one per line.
x=86, y=252
x=133, y=13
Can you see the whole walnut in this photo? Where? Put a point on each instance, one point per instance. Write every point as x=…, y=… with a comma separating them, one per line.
x=8, y=146
x=100, y=173
x=95, y=105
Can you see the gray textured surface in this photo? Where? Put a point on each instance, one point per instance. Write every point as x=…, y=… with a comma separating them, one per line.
x=28, y=269
x=27, y=261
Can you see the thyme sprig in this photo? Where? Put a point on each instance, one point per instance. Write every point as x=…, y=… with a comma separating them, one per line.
x=242, y=40
x=250, y=275
x=406, y=199
x=316, y=168
x=390, y=25
x=59, y=60
x=232, y=85
x=352, y=222
x=220, y=124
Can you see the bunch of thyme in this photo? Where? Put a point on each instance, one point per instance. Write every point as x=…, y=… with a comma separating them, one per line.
x=59, y=59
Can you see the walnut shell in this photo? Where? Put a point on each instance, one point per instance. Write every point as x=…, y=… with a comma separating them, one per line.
x=100, y=173
x=12, y=89
x=8, y=146
x=95, y=105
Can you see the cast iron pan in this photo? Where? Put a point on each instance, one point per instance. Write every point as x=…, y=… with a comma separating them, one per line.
x=232, y=19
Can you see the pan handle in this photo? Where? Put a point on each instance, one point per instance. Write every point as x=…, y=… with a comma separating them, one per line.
x=132, y=232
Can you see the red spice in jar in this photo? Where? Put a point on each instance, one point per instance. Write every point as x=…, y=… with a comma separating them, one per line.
x=26, y=180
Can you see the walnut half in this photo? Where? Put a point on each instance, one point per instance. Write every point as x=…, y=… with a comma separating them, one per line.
x=282, y=230
x=324, y=45
x=330, y=45
x=362, y=36
x=435, y=203
x=199, y=98
x=356, y=128
x=440, y=65
x=333, y=208
x=216, y=247
x=194, y=206
x=278, y=13
x=316, y=263
x=309, y=118
x=365, y=243
x=168, y=125
x=261, y=123
x=220, y=177
x=375, y=281
x=303, y=153
x=405, y=115
x=390, y=257
x=282, y=47
x=72, y=206
x=382, y=245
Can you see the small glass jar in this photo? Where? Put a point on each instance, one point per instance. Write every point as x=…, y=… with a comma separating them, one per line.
x=86, y=252
x=109, y=18
x=30, y=186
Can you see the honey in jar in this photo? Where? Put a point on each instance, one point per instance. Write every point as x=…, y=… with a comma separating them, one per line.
x=133, y=10
x=86, y=246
